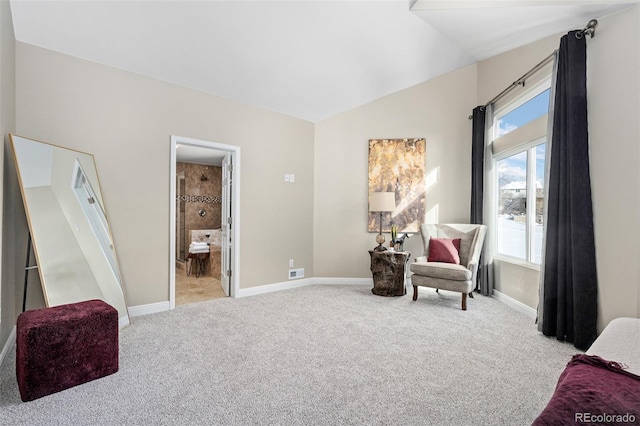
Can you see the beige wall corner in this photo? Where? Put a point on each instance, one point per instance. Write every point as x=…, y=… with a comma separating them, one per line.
x=613, y=90
x=437, y=110
x=614, y=131
x=127, y=120
x=7, y=125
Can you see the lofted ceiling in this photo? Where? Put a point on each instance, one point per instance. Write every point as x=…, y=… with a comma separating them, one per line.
x=308, y=59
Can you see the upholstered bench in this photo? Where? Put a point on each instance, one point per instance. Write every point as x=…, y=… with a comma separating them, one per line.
x=64, y=346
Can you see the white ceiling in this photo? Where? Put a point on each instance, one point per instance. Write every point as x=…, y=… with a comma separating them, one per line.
x=487, y=31
x=307, y=59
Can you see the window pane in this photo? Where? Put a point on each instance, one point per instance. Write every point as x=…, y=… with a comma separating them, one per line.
x=540, y=151
x=525, y=113
x=512, y=205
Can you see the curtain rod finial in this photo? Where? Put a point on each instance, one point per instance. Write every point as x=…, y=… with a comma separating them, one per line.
x=590, y=28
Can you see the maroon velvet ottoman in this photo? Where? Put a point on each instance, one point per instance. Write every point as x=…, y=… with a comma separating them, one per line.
x=64, y=346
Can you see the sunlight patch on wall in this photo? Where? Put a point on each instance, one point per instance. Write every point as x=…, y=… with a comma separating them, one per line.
x=432, y=178
x=432, y=214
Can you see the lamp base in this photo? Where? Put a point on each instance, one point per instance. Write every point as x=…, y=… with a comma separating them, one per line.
x=380, y=240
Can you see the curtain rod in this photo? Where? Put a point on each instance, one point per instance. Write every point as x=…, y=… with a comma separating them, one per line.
x=521, y=80
x=589, y=29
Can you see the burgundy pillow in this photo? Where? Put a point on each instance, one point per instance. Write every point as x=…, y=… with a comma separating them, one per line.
x=446, y=250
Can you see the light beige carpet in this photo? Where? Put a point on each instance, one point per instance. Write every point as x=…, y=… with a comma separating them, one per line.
x=317, y=355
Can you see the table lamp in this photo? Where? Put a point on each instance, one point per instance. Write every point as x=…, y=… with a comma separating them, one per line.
x=381, y=202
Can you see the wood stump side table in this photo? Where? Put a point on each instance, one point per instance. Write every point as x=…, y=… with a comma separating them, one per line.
x=388, y=269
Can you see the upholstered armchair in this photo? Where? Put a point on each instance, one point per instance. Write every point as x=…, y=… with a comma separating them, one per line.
x=450, y=261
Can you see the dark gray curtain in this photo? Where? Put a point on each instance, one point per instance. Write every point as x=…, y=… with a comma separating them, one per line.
x=477, y=165
x=477, y=190
x=569, y=280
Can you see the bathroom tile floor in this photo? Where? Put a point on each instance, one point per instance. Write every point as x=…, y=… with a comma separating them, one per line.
x=190, y=289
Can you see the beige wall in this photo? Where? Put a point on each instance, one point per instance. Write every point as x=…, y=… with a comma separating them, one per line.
x=127, y=120
x=437, y=110
x=498, y=72
x=517, y=281
x=613, y=89
x=614, y=107
x=7, y=124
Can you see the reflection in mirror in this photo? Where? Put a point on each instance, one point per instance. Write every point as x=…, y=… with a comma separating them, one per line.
x=72, y=240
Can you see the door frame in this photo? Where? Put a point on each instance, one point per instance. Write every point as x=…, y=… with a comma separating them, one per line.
x=234, y=284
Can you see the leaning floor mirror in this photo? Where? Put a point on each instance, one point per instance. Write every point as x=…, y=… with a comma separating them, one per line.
x=71, y=236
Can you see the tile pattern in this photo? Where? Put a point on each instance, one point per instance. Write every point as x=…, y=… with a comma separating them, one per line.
x=201, y=195
x=190, y=289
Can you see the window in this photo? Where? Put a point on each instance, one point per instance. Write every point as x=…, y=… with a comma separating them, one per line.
x=521, y=203
x=525, y=113
x=519, y=159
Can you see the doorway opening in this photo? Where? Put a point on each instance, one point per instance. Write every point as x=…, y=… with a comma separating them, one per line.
x=204, y=220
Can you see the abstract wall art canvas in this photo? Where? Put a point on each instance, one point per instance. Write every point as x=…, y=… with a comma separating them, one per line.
x=398, y=165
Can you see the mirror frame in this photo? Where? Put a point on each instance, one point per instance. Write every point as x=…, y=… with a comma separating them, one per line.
x=104, y=286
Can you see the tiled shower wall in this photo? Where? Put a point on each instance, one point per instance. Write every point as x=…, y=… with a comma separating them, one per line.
x=201, y=195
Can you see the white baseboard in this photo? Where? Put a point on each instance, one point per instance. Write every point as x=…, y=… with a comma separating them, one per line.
x=252, y=291
x=515, y=304
x=8, y=344
x=123, y=321
x=269, y=288
x=151, y=308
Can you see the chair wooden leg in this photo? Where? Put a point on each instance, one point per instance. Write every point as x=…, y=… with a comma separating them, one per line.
x=415, y=292
x=464, y=301
x=471, y=295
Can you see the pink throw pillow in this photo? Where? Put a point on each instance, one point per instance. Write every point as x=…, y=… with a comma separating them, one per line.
x=446, y=250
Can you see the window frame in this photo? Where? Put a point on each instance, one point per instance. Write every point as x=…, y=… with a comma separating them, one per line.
x=528, y=146
x=518, y=101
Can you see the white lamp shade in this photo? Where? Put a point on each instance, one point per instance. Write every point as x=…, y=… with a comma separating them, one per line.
x=382, y=202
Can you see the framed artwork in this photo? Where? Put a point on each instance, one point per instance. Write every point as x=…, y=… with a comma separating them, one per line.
x=399, y=166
